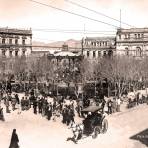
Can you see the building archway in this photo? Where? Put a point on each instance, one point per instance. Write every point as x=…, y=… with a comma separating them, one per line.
x=138, y=51
x=126, y=51
x=110, y=53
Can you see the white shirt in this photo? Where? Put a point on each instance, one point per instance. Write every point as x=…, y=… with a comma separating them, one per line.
x=118, y=101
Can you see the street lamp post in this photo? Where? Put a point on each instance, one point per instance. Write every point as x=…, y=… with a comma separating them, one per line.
x=57, y=79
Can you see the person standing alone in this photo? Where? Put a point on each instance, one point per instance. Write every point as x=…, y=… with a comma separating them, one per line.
x=14, y=140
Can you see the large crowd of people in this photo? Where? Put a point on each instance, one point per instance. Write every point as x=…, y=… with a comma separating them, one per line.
x=60, y=106
x=63, y=108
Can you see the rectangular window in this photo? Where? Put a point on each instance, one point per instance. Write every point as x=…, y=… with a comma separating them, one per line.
x=94, y=54
x=23, y=42
x=127, y=51
x=136, y=36
x=3, y=41
x=16, y=41
x=104, y=53
x=95, y=44
x=3, y=65
x=126, y=36
x=10, y=41
x=99, y=53
x=120, y=36
x=3, y=53
x=10, y=53
x=87, y=53
x=23, y=53
x=105, y=43
x=98, y=43
x=16, y=53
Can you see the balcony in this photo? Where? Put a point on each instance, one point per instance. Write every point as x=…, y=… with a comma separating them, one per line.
x=14, y=45
x=132, y=39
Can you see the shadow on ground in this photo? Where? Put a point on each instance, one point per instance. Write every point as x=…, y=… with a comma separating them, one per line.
x=141, y=137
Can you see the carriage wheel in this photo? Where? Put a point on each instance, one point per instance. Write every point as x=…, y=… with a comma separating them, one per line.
x=104, y=126
x=96, y=132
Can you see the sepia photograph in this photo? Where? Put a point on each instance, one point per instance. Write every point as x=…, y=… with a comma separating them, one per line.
x=73, y=74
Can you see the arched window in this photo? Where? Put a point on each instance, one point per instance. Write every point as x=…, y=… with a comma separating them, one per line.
x=127, y=51
x=138, y=51
x=23, y=51
x=16, y=53
x=110, y=53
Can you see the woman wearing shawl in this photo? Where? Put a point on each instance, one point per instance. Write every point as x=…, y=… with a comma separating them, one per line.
x=14, y=140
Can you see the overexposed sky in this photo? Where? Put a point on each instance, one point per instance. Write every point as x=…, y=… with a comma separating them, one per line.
x=26, y=14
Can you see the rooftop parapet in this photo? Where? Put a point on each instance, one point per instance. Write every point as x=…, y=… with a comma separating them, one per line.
x=132, y=30
x=7, y=30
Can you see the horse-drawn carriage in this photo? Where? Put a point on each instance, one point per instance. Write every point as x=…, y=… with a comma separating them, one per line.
x=94, y=124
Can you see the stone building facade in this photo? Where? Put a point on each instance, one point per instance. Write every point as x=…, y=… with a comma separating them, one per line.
x=14, y=44
x=96, y=47
x=132, y=42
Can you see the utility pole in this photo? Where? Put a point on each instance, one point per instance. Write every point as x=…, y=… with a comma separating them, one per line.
x=84, y=30
x=120, y=18
x=82, y=45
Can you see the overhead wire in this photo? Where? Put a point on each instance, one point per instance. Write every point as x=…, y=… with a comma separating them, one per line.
x=74, y=31
x=73, y=13
x=100, y=13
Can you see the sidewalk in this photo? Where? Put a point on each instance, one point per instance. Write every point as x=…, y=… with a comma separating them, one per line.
x=124, y=109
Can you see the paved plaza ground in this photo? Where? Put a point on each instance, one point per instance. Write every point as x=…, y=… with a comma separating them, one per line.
x=35, y=131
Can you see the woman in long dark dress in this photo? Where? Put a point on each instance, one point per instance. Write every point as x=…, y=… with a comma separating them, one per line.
x=1, y=114
x=14, y=140
x=49, y=112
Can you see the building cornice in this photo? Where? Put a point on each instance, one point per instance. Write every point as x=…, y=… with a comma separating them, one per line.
x=14, y=46
x=132, y=30
x=9, y=31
